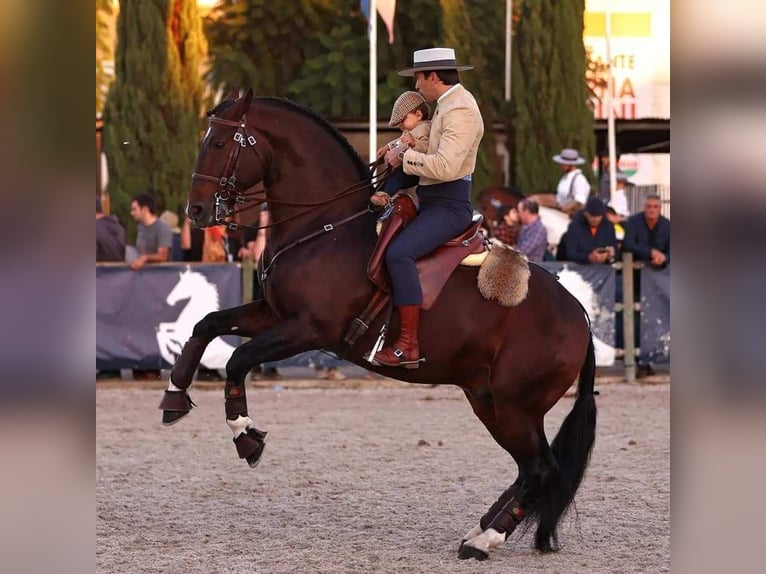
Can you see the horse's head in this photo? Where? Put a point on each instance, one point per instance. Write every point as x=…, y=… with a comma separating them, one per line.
x=222, y=165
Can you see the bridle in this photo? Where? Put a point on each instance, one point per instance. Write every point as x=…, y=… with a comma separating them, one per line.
x=227, y=198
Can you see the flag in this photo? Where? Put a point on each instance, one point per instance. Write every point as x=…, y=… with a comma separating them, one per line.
x=386, y=9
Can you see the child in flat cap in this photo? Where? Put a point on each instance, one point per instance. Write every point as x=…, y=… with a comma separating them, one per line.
x=410, y=114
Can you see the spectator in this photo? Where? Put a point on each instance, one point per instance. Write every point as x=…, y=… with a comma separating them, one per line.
x=110, y=236
x=590, y=237
x=533, y=237
x=176, y=253
x=647, y=234
x=616, y=220
x=620, y=200
x=155, y=239
x=604, y=191
x=574, y=188
x=507, y=228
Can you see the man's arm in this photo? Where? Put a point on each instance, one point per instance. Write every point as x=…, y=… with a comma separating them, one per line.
x=460, y=129
x=632, y=242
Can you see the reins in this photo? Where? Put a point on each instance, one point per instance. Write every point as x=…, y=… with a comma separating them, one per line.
x=226, y=198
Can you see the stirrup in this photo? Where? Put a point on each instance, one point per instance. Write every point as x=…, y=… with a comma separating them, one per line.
x=398, y=353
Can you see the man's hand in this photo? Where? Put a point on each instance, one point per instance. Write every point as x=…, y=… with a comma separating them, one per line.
x=381, y=151
x=138, y=263
x=658, y=258
x=597, y=256
x=392, y=158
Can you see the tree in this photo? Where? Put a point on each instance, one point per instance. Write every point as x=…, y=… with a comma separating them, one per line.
x=550, y=108
x=152, y=112
x=103, y=49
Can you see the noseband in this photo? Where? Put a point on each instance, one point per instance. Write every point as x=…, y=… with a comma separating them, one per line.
x=226, y=197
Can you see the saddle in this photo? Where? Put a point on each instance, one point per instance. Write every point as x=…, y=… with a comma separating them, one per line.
x=435, y=268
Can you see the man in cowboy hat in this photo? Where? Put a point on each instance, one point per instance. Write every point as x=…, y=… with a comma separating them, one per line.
x=573, y=189
x=444, y=189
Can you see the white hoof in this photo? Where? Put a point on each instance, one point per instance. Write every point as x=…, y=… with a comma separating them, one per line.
x=487, y=540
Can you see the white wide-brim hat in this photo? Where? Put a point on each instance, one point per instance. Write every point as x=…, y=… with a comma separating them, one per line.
x=569, y=156
x=433, y=59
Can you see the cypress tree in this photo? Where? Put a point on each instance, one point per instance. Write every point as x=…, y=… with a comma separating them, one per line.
x=550, y=96
x=152, y=113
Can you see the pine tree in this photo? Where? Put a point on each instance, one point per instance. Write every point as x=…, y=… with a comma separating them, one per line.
x=550, y=107
x=152, y=113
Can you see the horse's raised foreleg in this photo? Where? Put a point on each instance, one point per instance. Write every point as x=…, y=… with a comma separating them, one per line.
x=280, y=342
x=247, y=320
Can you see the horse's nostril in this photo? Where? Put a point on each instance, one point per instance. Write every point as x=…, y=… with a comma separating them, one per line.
x=195, y=211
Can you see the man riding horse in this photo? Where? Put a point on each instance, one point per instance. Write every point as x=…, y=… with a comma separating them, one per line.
x=444, y=189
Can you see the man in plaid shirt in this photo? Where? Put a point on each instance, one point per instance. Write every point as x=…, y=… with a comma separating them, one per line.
x=533, y=238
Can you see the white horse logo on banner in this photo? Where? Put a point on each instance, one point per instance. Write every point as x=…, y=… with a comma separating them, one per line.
x=203, y=299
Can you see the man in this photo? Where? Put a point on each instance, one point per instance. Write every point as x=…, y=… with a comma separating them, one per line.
x=620, y=200
x=590, y=236
x=110, y=236
x=647, y=234
x=533, y=237
x=155, y=238
x=604, y=190
x=574, y=188
x=444, y=189
x=507, y=229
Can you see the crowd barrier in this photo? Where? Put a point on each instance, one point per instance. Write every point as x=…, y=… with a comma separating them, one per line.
x=144, y=318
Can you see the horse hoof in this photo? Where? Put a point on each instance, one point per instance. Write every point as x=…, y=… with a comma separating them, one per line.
x=175, y=405
x=170, y=418
x=467, y=552
x=250, y=446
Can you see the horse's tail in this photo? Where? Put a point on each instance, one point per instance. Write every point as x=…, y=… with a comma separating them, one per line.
x=571, y=448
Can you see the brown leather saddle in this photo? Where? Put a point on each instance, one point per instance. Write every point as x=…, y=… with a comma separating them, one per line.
x=435, y=268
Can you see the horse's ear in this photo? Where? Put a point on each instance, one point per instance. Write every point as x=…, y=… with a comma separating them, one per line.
x=232, y=95
x=248, y=98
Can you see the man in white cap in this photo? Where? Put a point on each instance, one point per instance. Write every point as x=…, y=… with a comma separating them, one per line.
x=574, y=188
x=444, y=189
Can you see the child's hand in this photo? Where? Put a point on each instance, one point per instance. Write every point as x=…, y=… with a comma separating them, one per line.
x=407, y=139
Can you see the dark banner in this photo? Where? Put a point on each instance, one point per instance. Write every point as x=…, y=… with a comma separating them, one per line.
x=655, y=315
x=143, y=318
x=593, y=286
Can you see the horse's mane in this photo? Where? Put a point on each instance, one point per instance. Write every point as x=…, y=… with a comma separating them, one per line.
x=364, y=171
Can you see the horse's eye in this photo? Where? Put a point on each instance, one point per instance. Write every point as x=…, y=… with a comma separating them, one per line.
x=219, y=145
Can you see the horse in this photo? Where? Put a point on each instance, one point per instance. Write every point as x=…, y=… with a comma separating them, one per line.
x=512, y=363
x=202, y=298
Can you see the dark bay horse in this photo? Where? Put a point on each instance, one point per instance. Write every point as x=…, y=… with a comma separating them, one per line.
x=513, y=363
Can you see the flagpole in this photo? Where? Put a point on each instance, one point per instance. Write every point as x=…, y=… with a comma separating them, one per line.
x=373, y=79
x=508, y=39
x=611, y=138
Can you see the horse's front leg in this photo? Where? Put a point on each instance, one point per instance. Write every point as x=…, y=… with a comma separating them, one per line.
x=280, y=342
x=247, y=320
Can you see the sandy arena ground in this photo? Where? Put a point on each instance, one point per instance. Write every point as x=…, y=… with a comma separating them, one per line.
x=382, y=478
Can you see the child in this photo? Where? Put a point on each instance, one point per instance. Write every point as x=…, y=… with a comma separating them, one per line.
x=410, y=114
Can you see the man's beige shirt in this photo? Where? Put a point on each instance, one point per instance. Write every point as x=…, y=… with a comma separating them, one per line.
x=456, y=131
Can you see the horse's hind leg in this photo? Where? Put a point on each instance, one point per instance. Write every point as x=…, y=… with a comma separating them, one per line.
x=519, y=435
x=246, y=320
x=484, y=408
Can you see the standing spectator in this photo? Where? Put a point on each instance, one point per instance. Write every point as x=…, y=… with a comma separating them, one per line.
x=110, y=236
x=507, y=228
x=176, y=253
x=604, y=191
x=155, y=239
x=620, y=200
x=647, y=234
x=590, y=237
x=533, y=237
x=573, y=188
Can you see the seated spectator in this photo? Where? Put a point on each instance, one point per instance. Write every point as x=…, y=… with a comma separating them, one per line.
x=110, y=236
x=647, y=234
x=533, y=237
x=616, y=220
x=590, y=237
x=507, y=228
